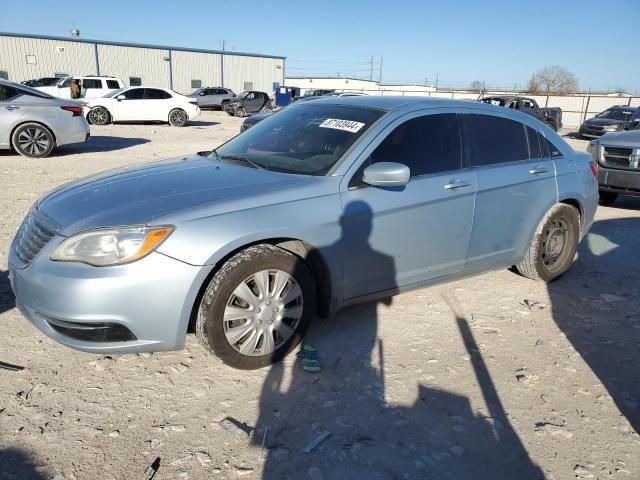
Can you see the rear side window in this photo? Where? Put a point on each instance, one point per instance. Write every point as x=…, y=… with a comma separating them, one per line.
x=91, y=83
x=535, y=150
x=549, y=148
x=155, y=94
x=7, y=93
x=492, y=140
x=428, y=144
x=113, y=84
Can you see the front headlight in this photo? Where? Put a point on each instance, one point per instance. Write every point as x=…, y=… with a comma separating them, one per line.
x=113, y=246
x=611, y=128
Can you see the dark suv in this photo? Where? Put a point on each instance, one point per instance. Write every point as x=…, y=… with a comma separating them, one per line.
x=248, y=102
x=613, y=119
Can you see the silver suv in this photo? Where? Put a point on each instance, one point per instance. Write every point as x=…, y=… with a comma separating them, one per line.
x=212, y=97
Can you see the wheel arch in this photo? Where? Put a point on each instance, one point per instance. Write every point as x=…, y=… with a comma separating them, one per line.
x=98, y=106
x=13, y=130
x=578, y=206
x=309, y=254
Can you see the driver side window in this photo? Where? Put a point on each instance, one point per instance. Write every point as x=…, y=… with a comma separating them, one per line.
x=134, y=94
x=427, y=144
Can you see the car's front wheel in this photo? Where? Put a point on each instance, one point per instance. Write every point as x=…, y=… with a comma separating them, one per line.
x=178, y=117
x=607, y=198
x=99, y=116
x=33, y=140
x=554, y=245
x=257, y=307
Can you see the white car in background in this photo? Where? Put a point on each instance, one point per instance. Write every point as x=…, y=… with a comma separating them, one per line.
x=141, y=104
x=33, y=123
x=90, y=86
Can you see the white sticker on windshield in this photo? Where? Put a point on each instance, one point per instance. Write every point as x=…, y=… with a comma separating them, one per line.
x=346, y=125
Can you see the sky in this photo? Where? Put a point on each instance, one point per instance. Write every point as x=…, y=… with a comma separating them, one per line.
x=499, y=42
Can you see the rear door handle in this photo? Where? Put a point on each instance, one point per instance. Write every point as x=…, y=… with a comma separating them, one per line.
x=453, y=184
x=13, y=107
x=538, y=170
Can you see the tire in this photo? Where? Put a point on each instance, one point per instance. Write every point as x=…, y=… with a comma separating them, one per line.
x=226, y=293
x=99, y=116
x=33, y=140
x=241, y=112
x=607, y=198
x=178, y=118
x=554, y=245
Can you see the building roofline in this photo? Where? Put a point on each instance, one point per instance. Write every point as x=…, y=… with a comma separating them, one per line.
x=137, y=45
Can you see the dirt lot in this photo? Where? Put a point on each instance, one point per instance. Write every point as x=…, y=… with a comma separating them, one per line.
x=493, y=377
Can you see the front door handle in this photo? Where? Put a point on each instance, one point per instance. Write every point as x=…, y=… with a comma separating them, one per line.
x=12, y=107
x=453, y=184
x=538, y=170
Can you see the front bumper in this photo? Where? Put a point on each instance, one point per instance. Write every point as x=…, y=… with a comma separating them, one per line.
x=139, y=307
x=593, y=132
x=625, y=182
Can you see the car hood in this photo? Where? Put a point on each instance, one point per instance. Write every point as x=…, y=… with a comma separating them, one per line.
x=628, y=138
x=601, y=122
x=143, y=194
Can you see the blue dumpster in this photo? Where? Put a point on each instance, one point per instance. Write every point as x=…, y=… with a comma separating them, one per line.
x=284, y=95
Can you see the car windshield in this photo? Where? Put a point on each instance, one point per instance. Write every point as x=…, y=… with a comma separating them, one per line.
x=114, y=93
x=617, y=114
x=305, y=139
x=241, y=95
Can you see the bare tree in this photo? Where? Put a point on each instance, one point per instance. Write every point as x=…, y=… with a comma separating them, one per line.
x=553, y=79
x=478, y=86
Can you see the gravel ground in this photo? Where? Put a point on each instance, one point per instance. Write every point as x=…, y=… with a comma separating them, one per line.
x=490, y=377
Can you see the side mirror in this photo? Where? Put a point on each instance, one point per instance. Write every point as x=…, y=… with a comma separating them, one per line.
x=121, y=97
x=386, y=174
x=201, y=94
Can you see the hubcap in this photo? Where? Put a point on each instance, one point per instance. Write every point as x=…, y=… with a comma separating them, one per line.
x=99, y=116
x=555, y=240
x=33, y=141
x=178, y=118
x=263, y=312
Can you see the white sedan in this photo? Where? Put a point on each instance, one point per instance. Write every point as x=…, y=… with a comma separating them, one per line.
x=138, y=104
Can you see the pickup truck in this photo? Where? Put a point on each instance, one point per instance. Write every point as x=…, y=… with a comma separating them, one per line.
x=550, y=116
x=90, y=86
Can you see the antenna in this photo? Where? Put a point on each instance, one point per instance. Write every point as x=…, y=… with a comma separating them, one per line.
x=74, y=31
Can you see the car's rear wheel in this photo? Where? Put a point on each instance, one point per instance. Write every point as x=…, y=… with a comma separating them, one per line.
x=257, y=307
x=607, y=198
x=178, y=117
x=33, y=140
x=99, y=116
x=554, y=245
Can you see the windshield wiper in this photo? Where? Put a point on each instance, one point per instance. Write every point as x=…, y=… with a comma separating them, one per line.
x=239, y=158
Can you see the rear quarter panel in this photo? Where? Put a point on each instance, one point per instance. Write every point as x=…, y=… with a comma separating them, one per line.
x=576, y=182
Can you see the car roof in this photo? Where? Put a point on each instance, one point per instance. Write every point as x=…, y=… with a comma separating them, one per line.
x=395, y=102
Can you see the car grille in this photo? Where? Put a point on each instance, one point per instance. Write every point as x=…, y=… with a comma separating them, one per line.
x=618, y=157
x=34, y=233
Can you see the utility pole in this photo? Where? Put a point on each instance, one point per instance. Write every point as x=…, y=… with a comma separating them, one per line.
x=380, y=77
x=437, y=77
x=222, y=65
x=371, y=69
x=426, y=80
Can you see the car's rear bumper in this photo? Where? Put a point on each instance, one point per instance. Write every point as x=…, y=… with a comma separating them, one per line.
x=75, y=130
x=142, y=306
x=626, y=182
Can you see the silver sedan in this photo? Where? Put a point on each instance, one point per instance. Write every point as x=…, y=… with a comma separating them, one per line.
x=33, y=123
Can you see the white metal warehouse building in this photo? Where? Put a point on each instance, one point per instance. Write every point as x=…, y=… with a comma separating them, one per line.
x=25, y=57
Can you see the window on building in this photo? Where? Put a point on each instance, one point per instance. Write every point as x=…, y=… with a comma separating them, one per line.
x=91, y=83
x=135, y=81
x=248, y=86
x=427, y=144
x=495, y=140
x=196, y=83
x=60, y=75
x=113, y=84
x=7, y=93
x=4, y=74
x=31, y=59
x=155, y=94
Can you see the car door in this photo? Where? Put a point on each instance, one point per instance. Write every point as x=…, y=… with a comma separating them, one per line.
x=11, y=112
x=157, y=104
x=92, y=88
x=423, y=227
x=515, y=188
x=129, y=108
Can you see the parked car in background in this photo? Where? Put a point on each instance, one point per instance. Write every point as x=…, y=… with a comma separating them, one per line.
x=318, y=92
x=247, y=102
x=33, y=123
x=138, y=104
x=90, y=86
x=619, y=157
x=322, y=205
x=41, y=82
x=212, y=97
x=613, y=119
x=550, y=116
x=251, y=120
